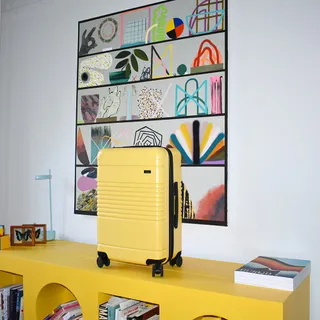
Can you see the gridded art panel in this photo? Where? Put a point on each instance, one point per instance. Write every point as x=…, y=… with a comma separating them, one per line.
x=135, y=32
x=157, y=75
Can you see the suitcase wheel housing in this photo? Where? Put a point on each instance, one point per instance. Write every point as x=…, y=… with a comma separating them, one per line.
x=177, y=261
x=103, y=260
x=157, y=269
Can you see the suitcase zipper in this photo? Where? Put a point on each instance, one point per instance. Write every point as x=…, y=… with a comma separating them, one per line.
x=171, y=205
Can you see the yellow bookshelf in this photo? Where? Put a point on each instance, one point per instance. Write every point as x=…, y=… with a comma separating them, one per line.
x=61, y=271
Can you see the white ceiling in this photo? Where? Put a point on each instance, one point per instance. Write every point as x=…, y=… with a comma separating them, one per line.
x=7, y=5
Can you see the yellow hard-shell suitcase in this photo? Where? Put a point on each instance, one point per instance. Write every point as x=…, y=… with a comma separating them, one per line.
x=139, y=206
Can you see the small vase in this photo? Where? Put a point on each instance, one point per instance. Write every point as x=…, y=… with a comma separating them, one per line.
x=118, y=77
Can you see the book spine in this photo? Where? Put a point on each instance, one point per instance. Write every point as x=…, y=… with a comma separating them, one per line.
x=1, y=304
x=103, y=313
x=112, y=312
x=21, y=309
x=6, y=303
x=19, y=296
x=11, y=317
x=13, y=303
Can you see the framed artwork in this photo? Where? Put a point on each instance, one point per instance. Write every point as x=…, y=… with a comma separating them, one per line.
x=157, y=75
x=22, y=235
x=40, y=232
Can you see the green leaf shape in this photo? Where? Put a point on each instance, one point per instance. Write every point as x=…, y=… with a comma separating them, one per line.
x=122, y=54
x=141, y=54
x=128, y=70
x=134, y=63
x=122, y=63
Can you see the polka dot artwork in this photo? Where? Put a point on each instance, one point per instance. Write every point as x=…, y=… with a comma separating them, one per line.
x=88, y=77
x=175, y=28
x=149, y=103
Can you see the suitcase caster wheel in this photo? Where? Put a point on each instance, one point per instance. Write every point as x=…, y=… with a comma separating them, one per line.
x=100, y=262
x=103, y=260
x=157, y=269
x=172, y=262
x=107, y=262
x=179, y=261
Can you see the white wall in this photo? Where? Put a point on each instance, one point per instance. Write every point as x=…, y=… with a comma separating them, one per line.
x=273, y=127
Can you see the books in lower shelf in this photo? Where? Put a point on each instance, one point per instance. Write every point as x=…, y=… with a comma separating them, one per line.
x=275, y=273
x=117, y=308
x=66, y=311
x=11, y=302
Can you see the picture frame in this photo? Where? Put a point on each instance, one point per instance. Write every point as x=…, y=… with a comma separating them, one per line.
x=2, y=230
x=40, y=232
x=22, y=236
x=156, y=75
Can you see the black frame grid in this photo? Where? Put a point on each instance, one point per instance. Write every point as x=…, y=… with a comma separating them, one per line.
x=225, y=114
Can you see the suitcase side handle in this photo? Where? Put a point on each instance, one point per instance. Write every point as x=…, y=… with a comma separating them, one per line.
x=176, y=205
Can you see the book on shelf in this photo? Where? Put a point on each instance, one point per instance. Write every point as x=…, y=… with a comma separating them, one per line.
x=145, y=313
x=275, y=273
x=103, y=311
x=155, y=317
x=70, y=310
x=117, y=308
x=11, y=302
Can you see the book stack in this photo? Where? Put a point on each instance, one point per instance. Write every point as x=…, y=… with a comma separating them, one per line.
x=274, y=273
x=11, y=302
x=66, y=311
x=117, y=308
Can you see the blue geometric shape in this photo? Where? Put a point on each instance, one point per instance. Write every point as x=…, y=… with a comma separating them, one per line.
x=135, y=44
x=181, y=107
x=177, y=144
x=205, y=13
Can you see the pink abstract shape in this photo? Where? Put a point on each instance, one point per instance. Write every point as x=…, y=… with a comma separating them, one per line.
x=85, y=183
x=162, y=64
x=121, y=30
x=89, y=107
x=216, y=94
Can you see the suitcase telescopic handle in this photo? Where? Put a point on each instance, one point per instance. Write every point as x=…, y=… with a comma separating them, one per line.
x=176, y=205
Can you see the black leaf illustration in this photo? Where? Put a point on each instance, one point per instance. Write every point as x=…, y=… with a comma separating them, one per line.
x=141, y=54
x=122, y=63
x=122, y=54
x=134, y=63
